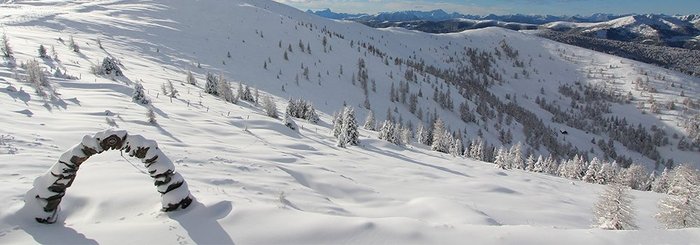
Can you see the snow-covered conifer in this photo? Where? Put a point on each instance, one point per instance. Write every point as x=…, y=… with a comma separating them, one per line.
x=440, y=139
x=337, y=123
x=606, y=174
x=289, y=122
x=172, y=91
x=212, y=85
x=501, y=159
x=456, y=147
x=516, y=156
x=42, y=52
x=5, y=47
x=476, y=151
x=530, y=163
x=224, y=90
x=635, y=177
x=139, y=96
x=73, y=45
x=370, y=122
x=269, y=106
x=348, y=132
x=614, y=209
x=151, y=116
x=661, y=183
x=591, y=175
x=190, y=78
x=681, y=207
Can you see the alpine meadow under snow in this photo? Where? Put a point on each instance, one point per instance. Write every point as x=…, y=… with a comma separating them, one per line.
x=289, y=128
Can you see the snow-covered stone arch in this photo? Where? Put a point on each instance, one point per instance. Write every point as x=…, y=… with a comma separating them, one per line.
x=44, y=198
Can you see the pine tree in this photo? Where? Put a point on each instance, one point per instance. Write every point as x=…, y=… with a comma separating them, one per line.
x=591, y=175
x=456, y=147
x=681, y=207
x=5, y=47
x=190, y=78
x=212, y=85
x=406, y=135
x=42, y=52
x=606, y=174
x=370, y=122
x=337, y=124
x=516, y=156
x=388, y=132
x=501, y=159
x=539, y=165
x=424, y=135
x=349, y=132
x=139, y=96
x=530, y=163
x=635, y=177
x=151, y=116
x=614, y=209
x=172, y=91
x=289, y=122
x=269, y=106
x=661, y=184
x=440, y=142
x=477, y=149
x=72, y=45
x=224, y=90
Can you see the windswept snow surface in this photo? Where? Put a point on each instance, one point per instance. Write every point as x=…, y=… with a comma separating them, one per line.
x=256, y=181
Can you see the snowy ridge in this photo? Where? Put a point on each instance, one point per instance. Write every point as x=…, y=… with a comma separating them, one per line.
x=258, y=182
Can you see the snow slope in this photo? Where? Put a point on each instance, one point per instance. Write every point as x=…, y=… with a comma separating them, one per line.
x=255, y=181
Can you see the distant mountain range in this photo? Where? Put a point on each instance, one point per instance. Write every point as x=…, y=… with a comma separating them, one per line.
x=651, y=29
x=441, y=15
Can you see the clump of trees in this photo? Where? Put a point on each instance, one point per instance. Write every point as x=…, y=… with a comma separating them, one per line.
x=300, y=108
x=108, y=66
x=345, y=128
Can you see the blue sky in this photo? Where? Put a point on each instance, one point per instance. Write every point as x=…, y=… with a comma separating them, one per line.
x=555, y=7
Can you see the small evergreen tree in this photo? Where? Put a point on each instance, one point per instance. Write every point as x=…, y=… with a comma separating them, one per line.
x=591, y=175
x=477, y=149
x=139, y=96
x=516, y=156
x=269, y=106
x=501, y=159
x=661, y=184
x=190, y=78
x=370, y=122
x=224, y=90
x=212, y=85
x=349, y=132
x=440, y=142
x=614, y=209
x=42, y=52
x=172, y=91
x=606, y=174
x=73, y=46
x=289, y=122
x=530, y=163
x=151, y=116
x=5, y=47
x=456, y=148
